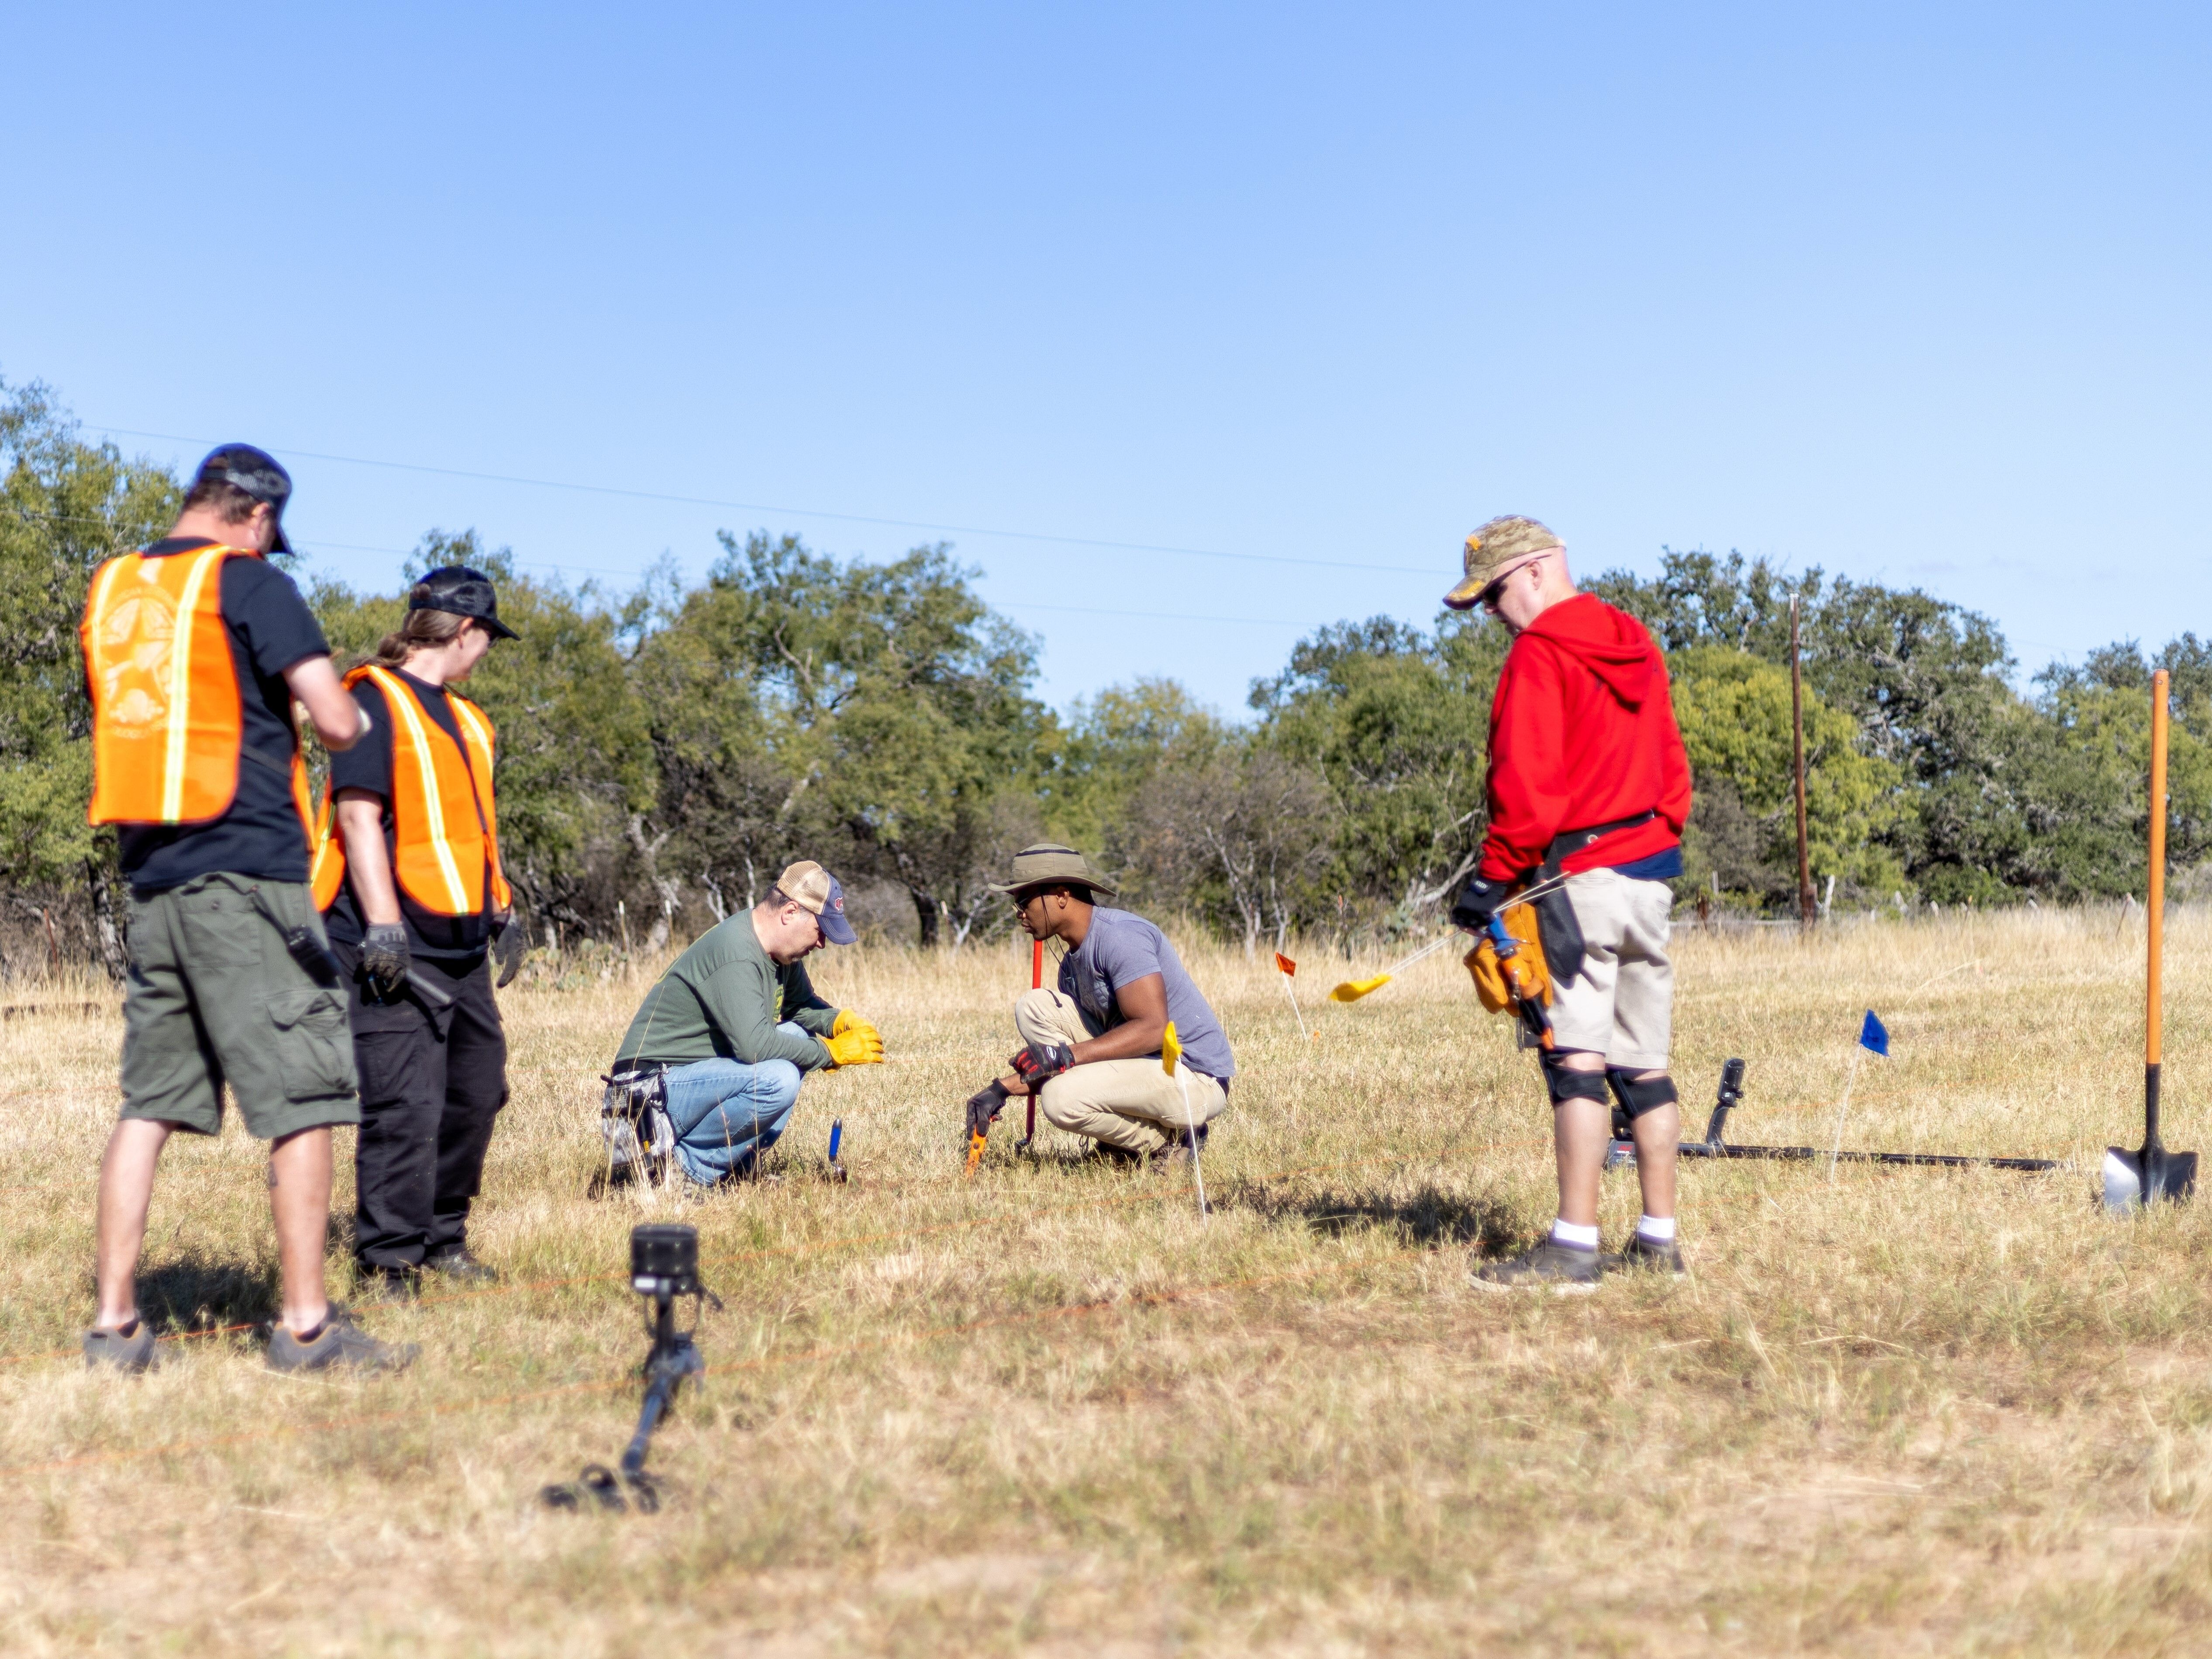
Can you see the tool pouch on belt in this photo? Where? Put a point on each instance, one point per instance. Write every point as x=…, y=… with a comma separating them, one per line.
x=1555, y=911
x=634, y=1121
x=1522, y=922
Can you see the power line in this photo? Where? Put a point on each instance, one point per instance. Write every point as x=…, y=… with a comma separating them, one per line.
x=809, y=513
x=599, y=570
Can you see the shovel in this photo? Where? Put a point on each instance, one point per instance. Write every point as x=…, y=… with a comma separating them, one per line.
x=2135, y=1179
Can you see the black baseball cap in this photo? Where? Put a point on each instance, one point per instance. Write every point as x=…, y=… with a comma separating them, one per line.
x=257, y=472
x=461, y=591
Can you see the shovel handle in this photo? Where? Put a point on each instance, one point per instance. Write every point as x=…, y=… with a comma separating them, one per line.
x=2156, y=909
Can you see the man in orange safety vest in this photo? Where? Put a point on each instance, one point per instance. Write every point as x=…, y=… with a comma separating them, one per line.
x=195, y=649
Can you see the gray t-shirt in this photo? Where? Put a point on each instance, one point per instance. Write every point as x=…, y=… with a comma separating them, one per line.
x=1120, y=949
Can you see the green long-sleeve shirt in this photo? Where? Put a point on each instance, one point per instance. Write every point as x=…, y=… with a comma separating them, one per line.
x=725, y=997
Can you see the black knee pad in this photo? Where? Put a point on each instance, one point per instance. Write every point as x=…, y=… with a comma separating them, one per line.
x=1565, y=1084
x=1638, y=1098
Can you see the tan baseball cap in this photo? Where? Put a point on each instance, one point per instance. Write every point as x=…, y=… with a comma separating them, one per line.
x=811, y=887
x=1502, y=542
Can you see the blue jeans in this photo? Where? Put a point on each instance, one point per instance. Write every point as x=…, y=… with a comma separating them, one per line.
x=726, y=1113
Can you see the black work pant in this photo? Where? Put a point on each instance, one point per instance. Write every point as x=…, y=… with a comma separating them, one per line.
x=433, y=1081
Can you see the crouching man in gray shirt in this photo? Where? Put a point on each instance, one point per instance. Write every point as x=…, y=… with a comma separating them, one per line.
x=1092, y=1045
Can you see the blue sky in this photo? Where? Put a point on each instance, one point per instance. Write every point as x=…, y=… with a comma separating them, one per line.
x=1916, y=292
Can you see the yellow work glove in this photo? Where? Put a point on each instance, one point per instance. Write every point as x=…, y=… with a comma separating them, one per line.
x=846, y=1020
x=860, y=1046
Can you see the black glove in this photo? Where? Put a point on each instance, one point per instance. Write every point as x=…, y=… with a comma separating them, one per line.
x=507, y=948
x=384, y=958
x=1482, y=899
x=984, y=1107
x=1040, y=1061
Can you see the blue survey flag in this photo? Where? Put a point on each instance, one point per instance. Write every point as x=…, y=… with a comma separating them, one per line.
x=1875, y=1035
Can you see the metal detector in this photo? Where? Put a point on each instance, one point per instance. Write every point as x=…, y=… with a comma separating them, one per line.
x=664, y=1264
x=1623, y=1150
x=2151, y=1173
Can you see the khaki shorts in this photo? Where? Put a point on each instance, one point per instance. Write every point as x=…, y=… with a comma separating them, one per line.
x=1622, y=1003
x=1130, y=1103
x=213, y=996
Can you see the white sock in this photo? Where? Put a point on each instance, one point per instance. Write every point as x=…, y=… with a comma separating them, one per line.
x=1574, y=1237
x=1656, y=1229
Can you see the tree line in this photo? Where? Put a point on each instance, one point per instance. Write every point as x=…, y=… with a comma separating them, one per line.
x=667, y=749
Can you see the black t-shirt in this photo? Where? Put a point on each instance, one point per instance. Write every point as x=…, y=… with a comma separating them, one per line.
x=270, y=629
x=367, y=766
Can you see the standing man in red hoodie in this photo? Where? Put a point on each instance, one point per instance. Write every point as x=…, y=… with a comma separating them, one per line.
x=1588, y=779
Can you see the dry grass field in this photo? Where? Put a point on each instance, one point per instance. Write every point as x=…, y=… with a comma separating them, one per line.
x=1048, y=1410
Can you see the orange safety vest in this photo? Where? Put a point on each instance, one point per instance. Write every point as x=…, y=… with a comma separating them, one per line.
x=167, y=721
x=444, y=829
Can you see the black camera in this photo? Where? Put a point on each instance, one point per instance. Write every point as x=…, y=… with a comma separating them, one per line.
x=664, y=1259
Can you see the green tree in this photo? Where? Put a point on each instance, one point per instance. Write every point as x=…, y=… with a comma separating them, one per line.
x=889, y=708
x=65, y=506
x=1733, y=710
x=1395, y=723
x=576, y=772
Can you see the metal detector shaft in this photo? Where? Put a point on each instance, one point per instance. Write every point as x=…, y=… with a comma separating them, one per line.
x=1802, y=1154
x=672, y=1359
x=1730, y=1096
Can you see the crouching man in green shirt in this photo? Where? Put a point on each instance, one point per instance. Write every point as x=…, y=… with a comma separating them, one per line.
x=732, y=1027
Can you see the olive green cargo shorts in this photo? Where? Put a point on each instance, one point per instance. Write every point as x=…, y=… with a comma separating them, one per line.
x=214, y=996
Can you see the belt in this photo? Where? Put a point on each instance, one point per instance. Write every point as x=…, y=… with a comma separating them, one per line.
x=1568, y=842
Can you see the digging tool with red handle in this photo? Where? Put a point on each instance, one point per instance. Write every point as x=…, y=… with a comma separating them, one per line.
x=1037, y=983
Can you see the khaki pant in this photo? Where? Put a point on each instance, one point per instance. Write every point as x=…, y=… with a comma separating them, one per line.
x=1622, y=1003
x=214, y=997
x=1130, y=1103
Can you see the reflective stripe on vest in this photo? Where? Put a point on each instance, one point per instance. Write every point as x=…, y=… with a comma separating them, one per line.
x=445, y=830
x=167, y=718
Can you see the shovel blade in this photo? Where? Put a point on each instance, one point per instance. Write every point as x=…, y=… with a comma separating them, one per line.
x=1352, y=989
x=2132, y=1180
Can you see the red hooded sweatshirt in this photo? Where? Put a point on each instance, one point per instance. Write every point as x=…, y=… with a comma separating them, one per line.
x=1582, y=732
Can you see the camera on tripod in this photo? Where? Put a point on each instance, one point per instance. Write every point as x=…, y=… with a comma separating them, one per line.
x=664, y=1260
x=664, y=1265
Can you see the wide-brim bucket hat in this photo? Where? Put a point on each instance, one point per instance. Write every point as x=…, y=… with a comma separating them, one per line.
x=1046, y=865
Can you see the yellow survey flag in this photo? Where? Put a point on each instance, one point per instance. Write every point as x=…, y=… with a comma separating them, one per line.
x=1170, y=1050
x=1352, y=989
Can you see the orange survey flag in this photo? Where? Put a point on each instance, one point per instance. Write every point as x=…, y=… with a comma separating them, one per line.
x=1286, y=963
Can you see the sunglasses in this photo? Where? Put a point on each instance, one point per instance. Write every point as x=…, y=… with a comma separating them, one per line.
x=1490, y=596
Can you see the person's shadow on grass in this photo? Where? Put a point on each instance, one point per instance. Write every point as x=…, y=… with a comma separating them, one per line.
x=1426, y=1216
x=193, y=1293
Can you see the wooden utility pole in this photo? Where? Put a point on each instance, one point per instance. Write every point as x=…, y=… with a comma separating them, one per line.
x=1806, y=909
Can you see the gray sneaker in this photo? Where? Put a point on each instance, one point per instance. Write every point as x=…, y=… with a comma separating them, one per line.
x=1551, y=1265
x=1641, y=1252
x=129, y=1353
x=340, y=1344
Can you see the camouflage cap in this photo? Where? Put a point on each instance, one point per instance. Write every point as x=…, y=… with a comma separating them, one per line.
x=1502, y=542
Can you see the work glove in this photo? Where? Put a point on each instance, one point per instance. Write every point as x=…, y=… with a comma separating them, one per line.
x=1477, y=903
x=846, y=1020
x=384, y=956
x=984, y=1107
x=860, y=1046
x=508, y=946
x=1041, y=1061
